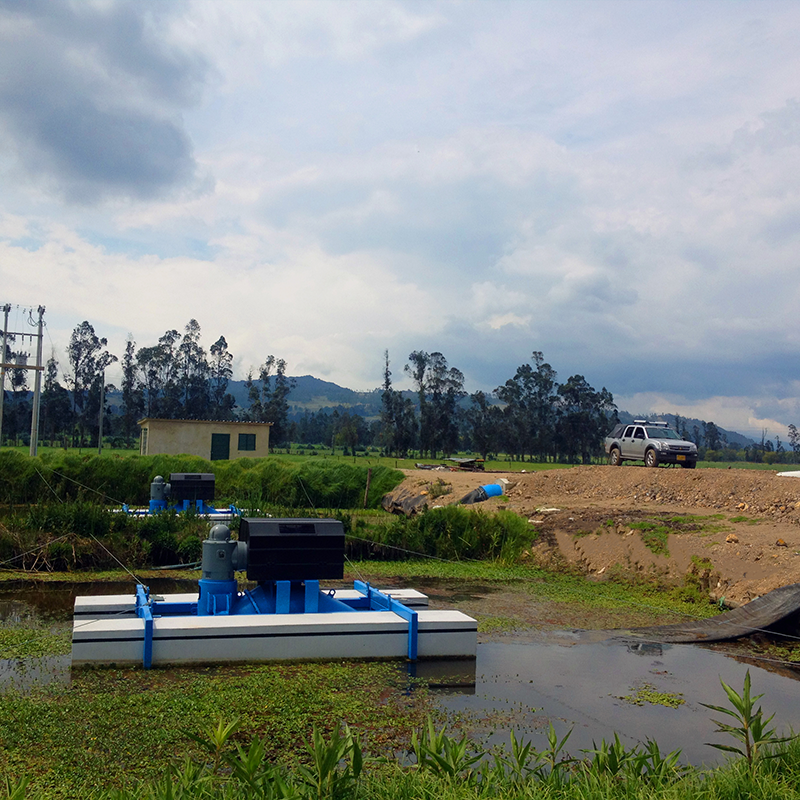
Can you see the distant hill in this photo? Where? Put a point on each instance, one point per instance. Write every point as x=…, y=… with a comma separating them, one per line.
x=312, y=394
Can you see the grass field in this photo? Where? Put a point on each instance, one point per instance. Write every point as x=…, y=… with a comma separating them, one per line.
x=299, y=454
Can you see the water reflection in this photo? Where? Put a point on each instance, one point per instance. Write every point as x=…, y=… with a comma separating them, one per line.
x=45, y=601
x=581, y=686
x=24, y=674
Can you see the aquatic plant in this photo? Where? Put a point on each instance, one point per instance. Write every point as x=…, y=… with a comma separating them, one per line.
x=758, y=741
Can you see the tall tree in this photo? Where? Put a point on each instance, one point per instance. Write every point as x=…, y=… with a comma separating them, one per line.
x=529, y=416
x=193, y=373
x=445, y=385
x=220, y=370
x=417, y=369
x=269, y=397
x=584, y=417
x=55, y=405
x=794, y=441
x=132, y=393
x=483, y=421
x=88, y=360
x=157, y=371
x=711, y=437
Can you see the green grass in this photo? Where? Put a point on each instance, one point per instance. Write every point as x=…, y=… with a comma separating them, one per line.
x=539, y=584
x=119, y=727
x=35, y=641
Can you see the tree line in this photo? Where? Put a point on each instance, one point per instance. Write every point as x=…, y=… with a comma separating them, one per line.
x=531, y=416
x=175, y=378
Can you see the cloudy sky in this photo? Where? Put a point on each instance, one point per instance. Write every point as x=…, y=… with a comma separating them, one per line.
x=616, y=184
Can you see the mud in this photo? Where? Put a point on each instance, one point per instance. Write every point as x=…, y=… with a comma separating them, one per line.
x=736, y=531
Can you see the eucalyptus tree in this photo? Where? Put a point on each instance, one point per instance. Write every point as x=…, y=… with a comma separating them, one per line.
x=268, y=397
x=193, y=374
x=445, y=385
x=529, y=416
x=794, y=441
x=417, y=371
x=483, y=422
x=220, y=371
x=88, y=361
x=398, y=423
x=439, y=388
x=132, y=409
x=584, y=417
x=56, y=409
x=157, y=375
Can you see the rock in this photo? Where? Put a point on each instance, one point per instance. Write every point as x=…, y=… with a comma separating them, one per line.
x=732, y=538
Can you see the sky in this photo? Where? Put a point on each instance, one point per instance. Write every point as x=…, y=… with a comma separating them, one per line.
x=614, y=184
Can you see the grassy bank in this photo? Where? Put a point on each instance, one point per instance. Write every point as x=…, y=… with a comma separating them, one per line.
x=336, y=731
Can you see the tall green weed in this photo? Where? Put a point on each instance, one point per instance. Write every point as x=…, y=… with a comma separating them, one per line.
x=451, y=533
x=115, y=480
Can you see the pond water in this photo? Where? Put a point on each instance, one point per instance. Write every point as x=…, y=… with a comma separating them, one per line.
x=577, y=681
x=579, y=684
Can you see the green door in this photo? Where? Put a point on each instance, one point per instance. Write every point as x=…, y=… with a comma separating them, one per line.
x=220, y=446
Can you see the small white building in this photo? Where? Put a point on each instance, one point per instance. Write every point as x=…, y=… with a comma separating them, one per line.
x=212, y=439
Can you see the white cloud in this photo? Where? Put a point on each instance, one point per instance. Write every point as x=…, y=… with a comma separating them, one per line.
x=612, y=183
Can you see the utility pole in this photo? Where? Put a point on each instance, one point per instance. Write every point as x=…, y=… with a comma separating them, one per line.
x=6, y=309
x=5, y=365
x=37, y=388
x=102, y=403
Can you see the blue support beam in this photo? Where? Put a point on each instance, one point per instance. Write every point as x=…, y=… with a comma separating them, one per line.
x=145, y=613
x=311, y=597
x=283, y=595
x=379, y=601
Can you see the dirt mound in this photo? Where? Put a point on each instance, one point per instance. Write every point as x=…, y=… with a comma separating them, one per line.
x=735, y=531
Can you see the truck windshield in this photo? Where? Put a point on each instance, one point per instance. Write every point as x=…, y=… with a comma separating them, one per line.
x=662, y=433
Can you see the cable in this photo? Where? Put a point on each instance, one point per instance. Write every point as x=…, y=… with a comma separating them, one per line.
x=60, y=500
x=35, y=550
x=88, y=488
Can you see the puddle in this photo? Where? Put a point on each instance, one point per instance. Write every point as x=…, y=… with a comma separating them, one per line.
x=23, y=674
x=54, y=602
x=578, y=684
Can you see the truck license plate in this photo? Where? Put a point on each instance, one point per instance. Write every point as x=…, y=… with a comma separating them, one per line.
x=681, y=458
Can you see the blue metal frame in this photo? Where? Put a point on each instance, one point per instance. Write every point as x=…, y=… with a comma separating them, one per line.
x=371, y=599
x=144, y=611
x=380, y=601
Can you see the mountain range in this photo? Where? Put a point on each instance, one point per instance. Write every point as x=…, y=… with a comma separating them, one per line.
x=313, y=394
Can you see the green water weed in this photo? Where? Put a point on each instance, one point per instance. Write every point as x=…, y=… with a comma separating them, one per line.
x=649, y=694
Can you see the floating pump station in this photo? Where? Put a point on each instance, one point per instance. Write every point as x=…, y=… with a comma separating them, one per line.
x=185, y=491
x=287, y=616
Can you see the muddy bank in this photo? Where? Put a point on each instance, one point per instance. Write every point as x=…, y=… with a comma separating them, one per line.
x=735, y=531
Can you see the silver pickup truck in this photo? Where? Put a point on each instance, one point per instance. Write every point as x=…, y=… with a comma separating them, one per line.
x=652, y=442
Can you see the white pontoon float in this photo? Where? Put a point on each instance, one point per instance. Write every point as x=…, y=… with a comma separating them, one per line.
x=286, y=617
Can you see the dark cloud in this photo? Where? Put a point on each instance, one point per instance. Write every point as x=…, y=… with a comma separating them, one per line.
x=91, y=97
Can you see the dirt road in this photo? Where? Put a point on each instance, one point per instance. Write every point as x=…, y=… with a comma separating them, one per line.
x=737, y=530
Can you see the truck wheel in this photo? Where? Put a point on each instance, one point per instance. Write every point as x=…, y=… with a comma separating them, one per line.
x=651, y=458
x=615, y=457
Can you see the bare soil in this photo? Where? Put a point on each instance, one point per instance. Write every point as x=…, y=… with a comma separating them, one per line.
x=736, y=531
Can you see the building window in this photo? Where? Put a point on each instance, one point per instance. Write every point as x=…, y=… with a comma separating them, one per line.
x=247, y=441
